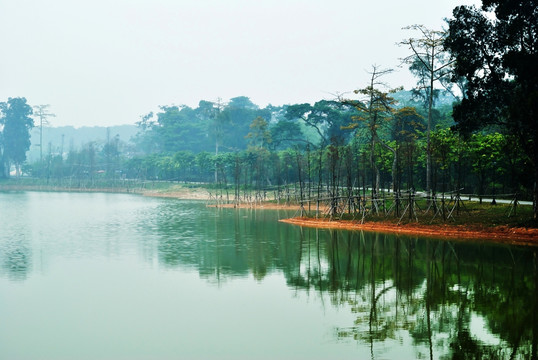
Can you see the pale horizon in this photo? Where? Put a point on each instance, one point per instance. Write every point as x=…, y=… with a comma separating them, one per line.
x=109, y=63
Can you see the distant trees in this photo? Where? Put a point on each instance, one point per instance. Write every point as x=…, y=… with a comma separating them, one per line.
x=308, y=150
x=173, y=128
x=212, y=126
x=16, y=123
x=259, y=135
x=487, y=142
x=327, y=118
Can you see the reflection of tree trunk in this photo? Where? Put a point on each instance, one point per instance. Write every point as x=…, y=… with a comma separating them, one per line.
x=335, y=260
x=319, y=264
x=410, y=254
x=301, y=239
x=348, y=269
x=309, y=269
x=373, y=311
x=535, y=312
x=443, y=279
x=383, y=259
x=357, y=280
x=363, y=253
x=397, y=275
x=428, y=296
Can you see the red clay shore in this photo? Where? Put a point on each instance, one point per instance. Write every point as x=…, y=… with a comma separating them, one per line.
x=498, y=234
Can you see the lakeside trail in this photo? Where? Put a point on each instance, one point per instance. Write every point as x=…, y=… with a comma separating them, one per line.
x=498, y=234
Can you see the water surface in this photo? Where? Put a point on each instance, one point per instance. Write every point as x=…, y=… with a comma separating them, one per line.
x=115, y=276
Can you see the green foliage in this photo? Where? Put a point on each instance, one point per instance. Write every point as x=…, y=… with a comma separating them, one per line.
x=259, y=135
x=285, y=134
x=327, y=118
x=15, y=139
x=497, y=56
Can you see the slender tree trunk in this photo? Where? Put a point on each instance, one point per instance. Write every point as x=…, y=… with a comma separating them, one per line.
x=535, y=193
x=375, y=170
x=428, y=130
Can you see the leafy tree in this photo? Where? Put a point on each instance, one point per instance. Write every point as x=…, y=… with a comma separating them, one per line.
x=16, y=122
x=179, y=129
x=184, y=162
x=407, y=128
x=211, y=114
x=444, y=152
x=237, y=116
x=259, y=135
x=327, y=117
x=497, y=55
x=485, y=152
x=205, y=164
x=286, y=133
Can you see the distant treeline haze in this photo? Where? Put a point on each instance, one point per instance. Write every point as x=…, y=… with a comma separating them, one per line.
x=330, y=143
x=484, y=143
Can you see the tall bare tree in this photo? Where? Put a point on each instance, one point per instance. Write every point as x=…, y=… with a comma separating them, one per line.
x=41, y=112
x=427, y=54
x=375, y=107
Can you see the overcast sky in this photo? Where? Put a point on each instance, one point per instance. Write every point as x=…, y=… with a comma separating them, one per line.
x=108, y=62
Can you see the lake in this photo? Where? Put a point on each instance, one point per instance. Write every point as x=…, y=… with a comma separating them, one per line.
x=116, y=276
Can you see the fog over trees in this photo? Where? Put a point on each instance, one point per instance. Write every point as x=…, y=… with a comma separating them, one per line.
x=468, y=126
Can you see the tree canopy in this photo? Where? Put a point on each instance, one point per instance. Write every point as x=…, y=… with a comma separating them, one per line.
x=497, y=55
x=16, y=122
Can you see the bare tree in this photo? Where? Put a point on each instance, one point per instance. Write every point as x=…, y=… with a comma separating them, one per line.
x=427, y=52
x=375, y=107
x=41, y=111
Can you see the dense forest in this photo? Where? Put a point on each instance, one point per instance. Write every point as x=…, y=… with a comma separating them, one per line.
x=469, y=126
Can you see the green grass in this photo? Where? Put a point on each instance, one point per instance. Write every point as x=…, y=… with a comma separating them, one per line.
x=471, y=214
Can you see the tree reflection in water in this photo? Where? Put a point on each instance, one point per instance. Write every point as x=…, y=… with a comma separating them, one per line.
x=447, y=299
x=16, y=257
x=431, y=291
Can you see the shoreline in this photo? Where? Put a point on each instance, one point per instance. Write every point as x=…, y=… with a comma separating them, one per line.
x=498, y=234
x=502, y=234
x=183, y=193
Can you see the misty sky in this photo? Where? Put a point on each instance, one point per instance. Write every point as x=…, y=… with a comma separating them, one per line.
x=109, y=62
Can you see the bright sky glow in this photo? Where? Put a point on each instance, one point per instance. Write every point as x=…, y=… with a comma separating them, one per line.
x=109, y=62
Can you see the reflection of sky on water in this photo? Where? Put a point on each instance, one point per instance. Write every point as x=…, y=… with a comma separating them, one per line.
x=479, y=328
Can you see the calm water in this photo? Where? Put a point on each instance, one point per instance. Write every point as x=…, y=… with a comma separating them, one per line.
x=107, y=276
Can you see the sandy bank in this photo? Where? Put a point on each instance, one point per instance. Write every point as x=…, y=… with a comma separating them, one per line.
x=176, y=192
x=183, y=193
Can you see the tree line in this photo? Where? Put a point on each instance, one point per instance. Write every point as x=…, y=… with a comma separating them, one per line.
x=483, y=142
